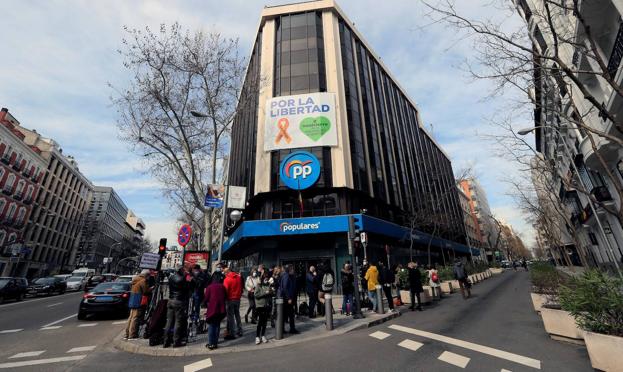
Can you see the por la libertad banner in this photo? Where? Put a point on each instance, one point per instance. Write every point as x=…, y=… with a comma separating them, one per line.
x=303, y=120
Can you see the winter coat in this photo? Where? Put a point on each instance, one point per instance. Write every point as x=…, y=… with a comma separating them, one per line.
x=233, y=286
x=139, y=285
x=386, y=276
x=263, y=294
x=348, y=282
x=251, y=283
x=214, y=298
x=311, y=285
x=430, y=278
x=415, y=280
x=287, y=287
x=178, y=287
x=372, y=277
x=459, y=271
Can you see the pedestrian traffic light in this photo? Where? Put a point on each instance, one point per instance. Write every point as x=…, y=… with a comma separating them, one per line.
x=162, y=248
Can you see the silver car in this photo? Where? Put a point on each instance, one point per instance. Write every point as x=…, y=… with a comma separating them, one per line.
x=75, y=283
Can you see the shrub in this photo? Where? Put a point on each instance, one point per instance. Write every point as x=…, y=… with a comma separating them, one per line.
x=545, y=279
x=595, y=300
x=403, y=279
x=446, y=273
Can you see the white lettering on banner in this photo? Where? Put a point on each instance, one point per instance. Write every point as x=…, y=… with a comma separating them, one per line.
x=287, y=226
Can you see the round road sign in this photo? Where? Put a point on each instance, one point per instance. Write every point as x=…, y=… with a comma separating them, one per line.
x=183, y=236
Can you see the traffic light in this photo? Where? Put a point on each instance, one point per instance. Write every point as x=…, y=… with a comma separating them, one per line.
x=162, y=248
x=354, y=227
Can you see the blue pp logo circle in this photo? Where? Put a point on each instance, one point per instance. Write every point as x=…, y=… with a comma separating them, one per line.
x=300, y=170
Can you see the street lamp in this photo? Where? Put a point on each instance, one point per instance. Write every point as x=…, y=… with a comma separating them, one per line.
x=109, y=253
x=525, y=131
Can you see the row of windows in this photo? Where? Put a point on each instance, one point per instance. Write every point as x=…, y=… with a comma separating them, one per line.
x=12, y=185
x=12, y=213
x=18, y=161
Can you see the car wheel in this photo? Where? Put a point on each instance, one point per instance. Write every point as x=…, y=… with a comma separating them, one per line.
x=20, y=297
x=82, y=315
x=62, y=291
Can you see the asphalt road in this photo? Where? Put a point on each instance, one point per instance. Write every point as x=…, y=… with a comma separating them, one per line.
x=496, y=330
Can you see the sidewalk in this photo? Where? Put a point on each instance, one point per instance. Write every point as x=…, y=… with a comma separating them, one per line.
x=310, y=329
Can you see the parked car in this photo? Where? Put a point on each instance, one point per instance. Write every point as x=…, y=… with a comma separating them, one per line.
x=63, y=276
x=12, y=288
x=124, y=278
x=109, y=277
x=106, y=298
x=93, y=281
x=76, y=283
x=47, y=286
x=506, y=264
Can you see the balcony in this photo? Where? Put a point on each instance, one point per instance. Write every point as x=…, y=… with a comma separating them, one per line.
x=18, y=196
x=602, y=194
x=617, y=53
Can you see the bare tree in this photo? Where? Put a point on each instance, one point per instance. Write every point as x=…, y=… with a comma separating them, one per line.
x=176, y=71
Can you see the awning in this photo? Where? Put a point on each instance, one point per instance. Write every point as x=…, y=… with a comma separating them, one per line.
x=336, y=224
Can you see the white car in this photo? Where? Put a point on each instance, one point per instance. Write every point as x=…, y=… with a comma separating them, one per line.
x=75, y=283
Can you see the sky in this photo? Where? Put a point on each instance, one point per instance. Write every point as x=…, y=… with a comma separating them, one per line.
x=59, y=57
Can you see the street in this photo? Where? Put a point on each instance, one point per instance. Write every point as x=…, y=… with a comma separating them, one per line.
x=496, y=330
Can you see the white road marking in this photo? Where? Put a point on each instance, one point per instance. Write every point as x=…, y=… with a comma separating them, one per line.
x=505, y=370
x=411, y=345
x=56, y=304
x=534, y=363
x=60, y=320
x=11, y=330
x=120, y=322
x=27, y=354
x=198, y=366
x=380, y=335
x=88, y=325
x=49, y=328
x=40, y=361
x=454, y=359
x=81, y=349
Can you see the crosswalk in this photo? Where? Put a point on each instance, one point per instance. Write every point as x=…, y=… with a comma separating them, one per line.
x=446, y=356
x=18, y=360
x=49, y=327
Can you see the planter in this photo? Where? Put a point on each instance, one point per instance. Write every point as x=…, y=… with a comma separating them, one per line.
x=496, y=271
x=560, y=323
x=446, y=286
x=604, y=351
x=455, y=285
x=473, y=279
x=538, y=300
x=405, y=296
x=427, y=295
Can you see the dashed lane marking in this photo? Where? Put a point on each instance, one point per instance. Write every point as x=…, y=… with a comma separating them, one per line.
x=56, y=304
x=88, y=325
x=534, y=363
x=49, y=328
x=58, y=321
x=120, y=322
x=454, y=359
x=40, y=361
x=198, y=366
x=411, y=345
x=81, y=349
x=380, y=335
x=27, y=354
x=505, y=370
x=11, y=330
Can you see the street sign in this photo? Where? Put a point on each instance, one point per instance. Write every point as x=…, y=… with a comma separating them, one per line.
x=236, y=197
x=149, y=261
x=184, y=235
x=214, y=196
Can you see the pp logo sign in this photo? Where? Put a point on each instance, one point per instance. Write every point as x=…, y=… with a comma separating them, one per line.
x=300, y=170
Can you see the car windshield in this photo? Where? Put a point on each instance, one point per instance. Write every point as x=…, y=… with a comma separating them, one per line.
x=75, y=279
x=44, y=281
x=81, y=274
x=3, y=282
x=112, y=287
x=124, y=279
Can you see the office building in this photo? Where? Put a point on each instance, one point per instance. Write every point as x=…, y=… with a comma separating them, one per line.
x=486, y=228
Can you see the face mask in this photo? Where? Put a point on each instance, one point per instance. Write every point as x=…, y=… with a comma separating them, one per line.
x=254, y=274
x=218, y=269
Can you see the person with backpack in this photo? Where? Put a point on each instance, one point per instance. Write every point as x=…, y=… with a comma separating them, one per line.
x=287, y=291
x=263, y=298
x=372, y=278
x=139, y=289
x=415, y=285
x=386, y=279
x=311, y=288
x=348, y=288
x=177, y=308
x=460, y=274
x=327, y=282
x=433, y=280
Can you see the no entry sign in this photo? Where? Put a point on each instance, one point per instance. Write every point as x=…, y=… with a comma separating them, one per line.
x=183, y=236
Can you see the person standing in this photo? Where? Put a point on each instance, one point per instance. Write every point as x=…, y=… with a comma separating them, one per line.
x=139, y=289
x=386, y=279
x=218, y=273
x=348, y=288
x=415, y=285
x=198, y=284
x=372, y=278
x=214, y=299
x=177, y=308
x=460, y=274
x=233, y=287
x=249, y=285
x=263, y=298
x=433, y=281
x=311, y=289
x=287, y=290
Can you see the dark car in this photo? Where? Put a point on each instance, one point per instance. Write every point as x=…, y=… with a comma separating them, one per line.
x=94, y=281
x=12, y=288
x=47, y=286
x=105, y=298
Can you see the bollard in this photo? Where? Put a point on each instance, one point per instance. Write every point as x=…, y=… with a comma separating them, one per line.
x=328, y=311
x=279, y=325
x=379, y=299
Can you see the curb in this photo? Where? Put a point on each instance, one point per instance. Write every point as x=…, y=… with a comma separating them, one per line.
x=120, y=344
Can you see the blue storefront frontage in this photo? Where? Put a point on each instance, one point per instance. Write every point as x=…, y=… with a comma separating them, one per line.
x=304, y=242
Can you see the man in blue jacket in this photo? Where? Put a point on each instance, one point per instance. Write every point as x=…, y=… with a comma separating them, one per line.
x=287, y=290
x=312, y=290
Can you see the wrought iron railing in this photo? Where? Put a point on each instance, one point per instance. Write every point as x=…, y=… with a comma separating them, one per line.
x=617, y=53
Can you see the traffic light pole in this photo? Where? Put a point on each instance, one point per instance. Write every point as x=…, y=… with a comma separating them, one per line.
x=350, y=238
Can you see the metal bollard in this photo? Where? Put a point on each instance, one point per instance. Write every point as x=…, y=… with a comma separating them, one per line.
x=328, y=311
x=379, y=299
x=279, y=325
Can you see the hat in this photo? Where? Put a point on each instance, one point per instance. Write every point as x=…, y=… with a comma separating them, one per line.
x=145, y=272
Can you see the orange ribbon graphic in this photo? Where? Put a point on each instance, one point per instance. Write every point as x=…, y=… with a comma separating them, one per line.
x=283, y=125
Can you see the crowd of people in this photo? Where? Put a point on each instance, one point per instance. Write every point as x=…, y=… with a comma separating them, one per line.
x=220, y=293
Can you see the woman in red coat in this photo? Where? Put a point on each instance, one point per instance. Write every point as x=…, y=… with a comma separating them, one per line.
x=215, y=299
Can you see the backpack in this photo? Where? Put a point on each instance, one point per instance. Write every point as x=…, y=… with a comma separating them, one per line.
x=304, y=309
x=435, y=278
x=327, y=282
